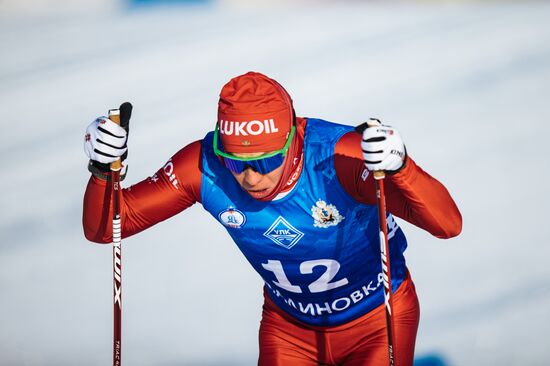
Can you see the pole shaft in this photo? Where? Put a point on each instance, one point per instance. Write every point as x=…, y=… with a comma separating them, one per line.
x=114, y=115
x=386, y=270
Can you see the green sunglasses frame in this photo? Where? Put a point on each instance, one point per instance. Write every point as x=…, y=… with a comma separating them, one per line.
x=285, y=148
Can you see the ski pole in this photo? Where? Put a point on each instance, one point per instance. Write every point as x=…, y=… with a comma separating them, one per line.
x=379, y=176
x=114, y=115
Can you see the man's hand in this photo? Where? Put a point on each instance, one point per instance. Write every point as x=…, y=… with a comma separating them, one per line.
x=105, y=141
x=383, y=148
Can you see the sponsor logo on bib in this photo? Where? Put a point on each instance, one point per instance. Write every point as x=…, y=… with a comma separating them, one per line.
x=282, y=233
x=231, y=217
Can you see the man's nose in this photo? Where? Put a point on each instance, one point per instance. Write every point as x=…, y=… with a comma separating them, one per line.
x=252, y=177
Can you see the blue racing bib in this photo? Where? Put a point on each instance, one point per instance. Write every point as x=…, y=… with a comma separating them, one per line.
x=317, y=249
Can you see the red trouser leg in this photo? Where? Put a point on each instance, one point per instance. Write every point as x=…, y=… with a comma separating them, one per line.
x=362, y=341
x=284, y=343
x=369, y=340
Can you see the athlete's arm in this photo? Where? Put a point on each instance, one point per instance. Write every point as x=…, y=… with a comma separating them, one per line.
x=411, y=194
x=171, y=190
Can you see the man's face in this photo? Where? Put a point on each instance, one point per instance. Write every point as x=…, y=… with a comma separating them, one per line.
x=255, y=184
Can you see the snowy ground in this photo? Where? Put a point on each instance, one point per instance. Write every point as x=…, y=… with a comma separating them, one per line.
x=467, y=85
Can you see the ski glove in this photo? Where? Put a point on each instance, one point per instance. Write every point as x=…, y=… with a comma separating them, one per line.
x=383, y=148
x=105, y=141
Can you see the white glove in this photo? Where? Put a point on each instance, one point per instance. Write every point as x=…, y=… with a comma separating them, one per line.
x=383, y=148
x=105, y=141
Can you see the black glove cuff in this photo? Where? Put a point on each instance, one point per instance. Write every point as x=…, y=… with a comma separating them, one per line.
x=103, y=171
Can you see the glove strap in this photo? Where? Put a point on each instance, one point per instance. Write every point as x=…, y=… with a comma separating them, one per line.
x=103, y=172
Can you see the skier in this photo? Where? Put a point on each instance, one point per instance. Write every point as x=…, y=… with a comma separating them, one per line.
x=297, y=197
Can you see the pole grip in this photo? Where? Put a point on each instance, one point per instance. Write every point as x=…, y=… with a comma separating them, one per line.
x=379, y=174
x=114, y=115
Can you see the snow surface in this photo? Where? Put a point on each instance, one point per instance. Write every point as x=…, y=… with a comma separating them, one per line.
x=466, y=84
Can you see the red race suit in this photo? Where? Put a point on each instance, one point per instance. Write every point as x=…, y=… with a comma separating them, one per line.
x=411, y=194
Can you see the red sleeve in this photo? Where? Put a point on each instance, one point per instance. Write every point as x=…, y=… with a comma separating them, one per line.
x=411, y=194
x=172, y=189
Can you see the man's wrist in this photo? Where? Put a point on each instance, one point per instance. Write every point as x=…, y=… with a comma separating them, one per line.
x=103, y=171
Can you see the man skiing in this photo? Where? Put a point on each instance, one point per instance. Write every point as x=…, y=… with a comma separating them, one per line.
x=297, y=197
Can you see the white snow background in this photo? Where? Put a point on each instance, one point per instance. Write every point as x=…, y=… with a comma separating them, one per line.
x=467, y=84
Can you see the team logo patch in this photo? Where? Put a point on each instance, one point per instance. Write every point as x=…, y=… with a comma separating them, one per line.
x=232, y=217
x=325, y=215
x=282, y=233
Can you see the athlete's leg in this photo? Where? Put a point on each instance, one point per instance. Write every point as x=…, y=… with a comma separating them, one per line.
x=367, y=342
x=407, y=316
x=283, y=342
x=276, y=351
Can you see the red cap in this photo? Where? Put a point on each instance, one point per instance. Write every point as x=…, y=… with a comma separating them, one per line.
x=254, y=114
